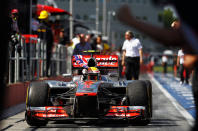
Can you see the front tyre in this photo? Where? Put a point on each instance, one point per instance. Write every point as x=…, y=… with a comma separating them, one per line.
x=37, y=96
x=138, y=95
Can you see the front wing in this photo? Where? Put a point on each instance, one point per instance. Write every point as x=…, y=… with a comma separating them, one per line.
x=59, y=113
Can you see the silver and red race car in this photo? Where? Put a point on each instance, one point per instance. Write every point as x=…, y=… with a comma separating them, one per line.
x=95, y=93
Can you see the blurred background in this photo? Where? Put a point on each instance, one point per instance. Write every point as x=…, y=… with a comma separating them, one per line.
x=98, y=18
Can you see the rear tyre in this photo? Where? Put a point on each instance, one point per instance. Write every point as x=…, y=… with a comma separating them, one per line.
x=138, y=95
x=37, y=96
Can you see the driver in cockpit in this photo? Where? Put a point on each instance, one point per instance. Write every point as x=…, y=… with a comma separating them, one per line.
x=92, y=73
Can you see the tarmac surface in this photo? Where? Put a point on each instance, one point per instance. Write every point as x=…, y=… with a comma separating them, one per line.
x=168, y=115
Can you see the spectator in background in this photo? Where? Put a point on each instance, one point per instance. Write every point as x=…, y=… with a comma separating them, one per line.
x=75, y=40
x=93, y=45
x=175, y=25
x=132, y=56
x=35, y=24
x=82, y=46
x=14, y=37
x=15, y=32
x=175, y=65
x=152, y=63
x=164, y=63
x=185, y=37
x=99, y=44
x=87, y=38
x=62, y=38
x=182, y=69
x=69, y=56
x=45, y=33
x=183, y=72
x=92, y=41
x=102, y=46
x=56, y=29
x=14, y=21
x=107, y=50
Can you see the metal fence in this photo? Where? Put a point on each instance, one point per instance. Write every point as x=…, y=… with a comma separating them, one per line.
x=27, y=60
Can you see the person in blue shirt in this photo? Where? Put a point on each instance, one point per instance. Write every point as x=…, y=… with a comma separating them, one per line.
x=82, y=46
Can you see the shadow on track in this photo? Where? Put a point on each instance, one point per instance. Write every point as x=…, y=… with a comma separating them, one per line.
x=155, y=123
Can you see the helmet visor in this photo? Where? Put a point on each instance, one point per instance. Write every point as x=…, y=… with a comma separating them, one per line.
x=93, y=77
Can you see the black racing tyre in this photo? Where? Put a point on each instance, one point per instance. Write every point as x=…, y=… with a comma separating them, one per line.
x=137, y=94
x=37, y=96
x=149, y=88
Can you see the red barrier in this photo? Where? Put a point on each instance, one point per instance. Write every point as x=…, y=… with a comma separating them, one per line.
x=16, y=93
x=28, y=36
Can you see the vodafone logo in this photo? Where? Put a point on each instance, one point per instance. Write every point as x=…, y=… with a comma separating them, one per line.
x=102, y=60
x=110, y=58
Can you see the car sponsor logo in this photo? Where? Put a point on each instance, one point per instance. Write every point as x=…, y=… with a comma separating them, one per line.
x=102, y=60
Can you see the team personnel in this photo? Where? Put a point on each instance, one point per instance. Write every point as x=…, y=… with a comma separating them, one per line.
x=45, y=33
x=14, y=37
x=14, y=28
x=180, y=64
x=164, y=63
x=132, y=56
x=14, y=17
x=82, y=46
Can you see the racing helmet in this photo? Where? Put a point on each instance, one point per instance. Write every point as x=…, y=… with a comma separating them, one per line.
x=93, y=73
x=43, y=15
x=92, y=62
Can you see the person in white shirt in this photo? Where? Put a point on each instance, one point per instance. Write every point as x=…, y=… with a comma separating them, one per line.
x=75, y=40
x=180, y=64
x=132, y=56
x=164, y=63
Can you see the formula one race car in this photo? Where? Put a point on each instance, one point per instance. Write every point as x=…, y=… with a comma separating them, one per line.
x=95, y=93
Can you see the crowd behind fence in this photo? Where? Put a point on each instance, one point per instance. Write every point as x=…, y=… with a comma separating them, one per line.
x=27, y=60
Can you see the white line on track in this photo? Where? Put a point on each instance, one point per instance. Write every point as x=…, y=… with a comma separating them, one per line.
x=185, y=114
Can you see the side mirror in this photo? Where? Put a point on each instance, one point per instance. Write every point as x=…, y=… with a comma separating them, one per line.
x=114, y=76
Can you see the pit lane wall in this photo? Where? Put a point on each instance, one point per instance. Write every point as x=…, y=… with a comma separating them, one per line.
x=16, y=93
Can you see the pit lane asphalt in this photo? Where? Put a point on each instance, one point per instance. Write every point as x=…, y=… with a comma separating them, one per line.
x=166, y=117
